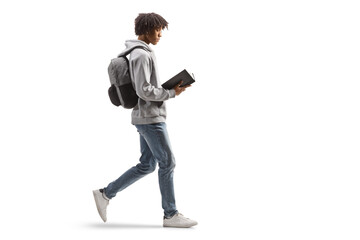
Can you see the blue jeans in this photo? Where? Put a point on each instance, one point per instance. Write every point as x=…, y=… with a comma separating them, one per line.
x=155, y=148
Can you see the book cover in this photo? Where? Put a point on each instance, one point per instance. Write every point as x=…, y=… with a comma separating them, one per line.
x=184, y=76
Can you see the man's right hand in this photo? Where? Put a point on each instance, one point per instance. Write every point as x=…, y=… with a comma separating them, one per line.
x=179, y=90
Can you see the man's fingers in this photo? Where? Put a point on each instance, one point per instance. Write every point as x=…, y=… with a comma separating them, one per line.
x=181, y=82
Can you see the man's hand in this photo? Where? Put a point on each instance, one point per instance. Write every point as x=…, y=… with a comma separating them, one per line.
x=179, y=90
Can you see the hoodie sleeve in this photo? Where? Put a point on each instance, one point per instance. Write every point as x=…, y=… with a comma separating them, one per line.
x=142, y=68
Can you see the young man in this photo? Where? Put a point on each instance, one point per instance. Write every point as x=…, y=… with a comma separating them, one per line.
x=149, y=116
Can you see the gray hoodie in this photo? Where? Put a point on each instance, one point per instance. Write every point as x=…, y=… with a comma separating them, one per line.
x=144, y=74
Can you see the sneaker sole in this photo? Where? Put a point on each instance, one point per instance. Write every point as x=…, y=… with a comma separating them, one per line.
x=97, y=205
x=184, y=226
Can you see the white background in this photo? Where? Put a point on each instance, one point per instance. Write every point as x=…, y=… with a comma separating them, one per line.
x=266, y=140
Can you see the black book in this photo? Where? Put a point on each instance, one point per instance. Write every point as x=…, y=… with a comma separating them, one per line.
x=181, y=76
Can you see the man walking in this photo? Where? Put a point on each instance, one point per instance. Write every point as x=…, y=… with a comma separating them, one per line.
x=149, y=117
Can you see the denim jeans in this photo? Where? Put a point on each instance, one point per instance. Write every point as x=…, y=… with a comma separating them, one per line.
x=155, y=148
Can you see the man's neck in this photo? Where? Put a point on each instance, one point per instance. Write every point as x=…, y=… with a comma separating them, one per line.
x=143, y=38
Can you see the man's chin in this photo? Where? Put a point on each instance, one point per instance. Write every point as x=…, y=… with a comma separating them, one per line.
x=155, y=42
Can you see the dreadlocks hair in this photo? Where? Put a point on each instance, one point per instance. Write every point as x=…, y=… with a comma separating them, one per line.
x=146, y=22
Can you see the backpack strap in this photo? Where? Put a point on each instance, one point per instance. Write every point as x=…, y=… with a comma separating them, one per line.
x=129, y=50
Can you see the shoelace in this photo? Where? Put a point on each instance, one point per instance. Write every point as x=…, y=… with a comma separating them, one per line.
x=179, y=214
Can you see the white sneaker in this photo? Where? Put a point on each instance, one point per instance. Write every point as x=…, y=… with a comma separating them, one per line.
x=101, y=203
x=179, y=221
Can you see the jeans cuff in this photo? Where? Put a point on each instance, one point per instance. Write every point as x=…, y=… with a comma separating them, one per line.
x=104, y=194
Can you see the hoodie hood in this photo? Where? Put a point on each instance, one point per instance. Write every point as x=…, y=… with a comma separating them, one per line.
x=133, y=43
x=130, y=44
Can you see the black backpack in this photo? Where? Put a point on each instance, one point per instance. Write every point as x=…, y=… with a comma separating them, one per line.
x=121, y=91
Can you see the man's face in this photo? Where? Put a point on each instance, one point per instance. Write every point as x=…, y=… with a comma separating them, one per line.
x=154, y=36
